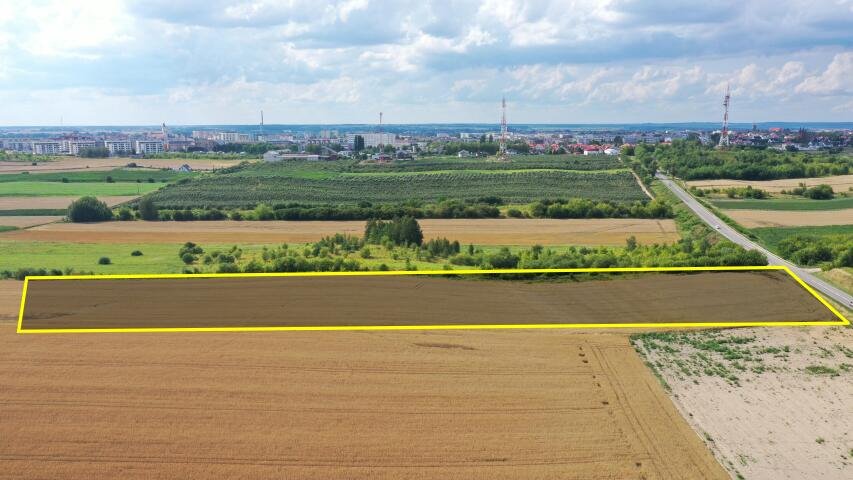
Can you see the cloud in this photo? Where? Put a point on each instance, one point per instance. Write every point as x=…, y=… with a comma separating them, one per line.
x=836, y=79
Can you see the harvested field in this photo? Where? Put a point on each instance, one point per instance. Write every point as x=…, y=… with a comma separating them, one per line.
x=16, y=203
x=10, y=300
x=320, y=405
x=410, y=300
x=786, y=417
x=23, y=221
x=773, y=218
x=70, y=164
x=480, y=231
x=839, y=183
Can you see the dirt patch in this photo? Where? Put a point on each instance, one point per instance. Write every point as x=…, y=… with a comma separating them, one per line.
x=786, y=415
x=70, y=164
x=24, y=221
x=417, y=300
x=839, y=183
x=16, y=203
x=480, y=232
x=774, y=218
x=10, y=300
x=319, y=405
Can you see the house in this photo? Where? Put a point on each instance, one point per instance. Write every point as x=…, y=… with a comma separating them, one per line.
x=611, y=151
x=463, y=153
x=591, y=150
x=403, y=154
x=184, y=169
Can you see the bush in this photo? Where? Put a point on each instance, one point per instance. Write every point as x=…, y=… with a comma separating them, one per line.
x=820, y=192
x=89, y=209
x=188, y=258
x=514, y=213
x=147, y=209
x=125, y=214
x=236, y=215
x=104, y=261
x=136, y=253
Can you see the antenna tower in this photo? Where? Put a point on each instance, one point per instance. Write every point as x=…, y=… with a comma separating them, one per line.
x=724, y=135
x=262, y=123
x=502, y=144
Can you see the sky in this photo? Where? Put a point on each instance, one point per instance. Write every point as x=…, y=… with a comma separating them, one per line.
x=312, y=61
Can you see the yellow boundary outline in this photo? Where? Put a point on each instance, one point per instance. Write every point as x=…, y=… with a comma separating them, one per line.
x=841, y=319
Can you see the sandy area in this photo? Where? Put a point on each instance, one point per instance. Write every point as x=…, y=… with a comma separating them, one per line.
x=781, y=423
x=14, y=203
x=70, y=164
x=23, y=221
x=839, y=183
x=778, y=218
x=481, y=232
x=417, y=405
x=417, y=300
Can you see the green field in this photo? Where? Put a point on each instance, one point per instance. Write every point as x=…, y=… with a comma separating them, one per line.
x=785, y=204
x=58, y=189
x=346, y=182
x=771, y=236
x=117, y=175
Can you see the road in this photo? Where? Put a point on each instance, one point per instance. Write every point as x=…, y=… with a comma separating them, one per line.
x=708, y=217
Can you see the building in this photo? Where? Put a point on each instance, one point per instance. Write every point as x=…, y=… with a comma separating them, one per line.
x=47, y=148
x=228, y=137
x=373, y=139
x=463, y=153
x=147, y=147
x=18, y=145
x=279, y=155
x=75, y=146
x=611, y=151
x=118, y=147
x=184, y=169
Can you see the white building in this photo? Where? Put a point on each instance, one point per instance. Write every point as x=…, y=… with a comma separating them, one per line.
x=75, y=146
x=279, y=155
x=118, y=147
x=228, y=137
x=47, y=148
x=373, y=139
x=146, y=147
x=611, y=151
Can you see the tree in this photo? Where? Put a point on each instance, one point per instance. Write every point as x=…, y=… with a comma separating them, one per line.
x=188, y=258
x=358, y=143
x=89, y=209
x=147, y=209
x=617, y=140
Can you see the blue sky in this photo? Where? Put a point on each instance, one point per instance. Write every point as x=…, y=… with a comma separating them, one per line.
x=579, y=61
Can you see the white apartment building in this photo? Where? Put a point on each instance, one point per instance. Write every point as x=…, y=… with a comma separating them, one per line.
x=229, y=137
x=18, y=145
x=145, y=147
x=47, y=148
x=74, y=146
x=373, y=139
x=118, y=147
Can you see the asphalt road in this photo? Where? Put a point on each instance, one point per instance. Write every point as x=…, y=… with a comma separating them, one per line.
x=708, y=217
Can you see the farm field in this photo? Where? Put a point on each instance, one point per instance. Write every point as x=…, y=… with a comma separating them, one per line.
x=349, y=182
x=790, y=204
x=59, y=189
x=22, y=221
x=490, y=405
x=477, y=231
x=839, y=183
x=768, y=218
x=840, y=277
x=52, y=202
x=72, y=164
x=418, y=300
x=770, y=237
x=771, y=403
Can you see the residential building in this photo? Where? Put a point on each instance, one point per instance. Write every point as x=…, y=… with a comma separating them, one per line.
x=47, y=148
x=373, y=139
x=118, y=147
x=147, y=147
x=75, y=146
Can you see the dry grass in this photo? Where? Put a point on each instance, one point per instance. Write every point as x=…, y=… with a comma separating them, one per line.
x=24, y=221
x=481, y=232
x=780, y=218
x=423, y=405
x=70, y=164
x=16, y=203
x=840, y=183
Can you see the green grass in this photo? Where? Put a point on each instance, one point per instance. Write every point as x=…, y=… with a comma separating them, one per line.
x=6, y=228
x=118, y=175
x=51, y=189
x=785, y=204
x=771, y=236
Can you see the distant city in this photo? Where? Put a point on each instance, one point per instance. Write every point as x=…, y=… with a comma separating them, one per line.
x=324, y=141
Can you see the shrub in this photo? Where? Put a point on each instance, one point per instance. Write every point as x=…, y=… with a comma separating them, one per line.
x=236, y=215
x=104, y=261
x=147, y=209
x=89, y=209
x=514, y=213
x=188, y=258
x=820, y=192
x=109, y=179
x=136, y=253
x=125, y=214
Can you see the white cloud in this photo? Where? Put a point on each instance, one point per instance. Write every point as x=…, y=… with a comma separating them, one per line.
x=836, y=79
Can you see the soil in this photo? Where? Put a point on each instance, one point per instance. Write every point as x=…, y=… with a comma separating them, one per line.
x=780, y=218
x=480, y=232
x=24, y=221
x=416, y=300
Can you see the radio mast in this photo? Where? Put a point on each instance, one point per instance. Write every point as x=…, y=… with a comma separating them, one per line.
x=724, y=135
x=502, y=144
